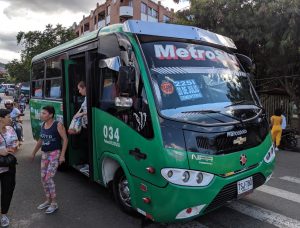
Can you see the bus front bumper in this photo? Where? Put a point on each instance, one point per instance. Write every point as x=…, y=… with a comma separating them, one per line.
x=174, y=202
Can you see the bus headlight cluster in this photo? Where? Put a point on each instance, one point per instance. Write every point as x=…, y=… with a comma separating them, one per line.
x=187, y=177
x=270, y=155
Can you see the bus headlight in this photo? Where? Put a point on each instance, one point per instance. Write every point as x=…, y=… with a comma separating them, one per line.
x=270, y=155
x=187, y=177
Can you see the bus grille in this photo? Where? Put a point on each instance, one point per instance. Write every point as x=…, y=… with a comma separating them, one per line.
x=229, y=192
x=220, y=143
x=224, y=145
x=202, y=142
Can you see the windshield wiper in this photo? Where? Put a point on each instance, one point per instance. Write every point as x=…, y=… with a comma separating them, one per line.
x=203, y=111
x=236, y=103
x=214, y=111
x=241, y=102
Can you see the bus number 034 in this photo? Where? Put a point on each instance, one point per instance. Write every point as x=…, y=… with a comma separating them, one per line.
x=110, y=133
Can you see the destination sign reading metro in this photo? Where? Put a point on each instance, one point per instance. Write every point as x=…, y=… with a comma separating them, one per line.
x=171, y=52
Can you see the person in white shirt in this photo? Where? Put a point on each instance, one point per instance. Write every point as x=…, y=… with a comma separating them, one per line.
x=8, y=145
x=15, y=116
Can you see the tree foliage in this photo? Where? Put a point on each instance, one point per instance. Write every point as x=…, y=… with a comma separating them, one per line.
x=17, y=71
x=34, y=43
x=268, y=31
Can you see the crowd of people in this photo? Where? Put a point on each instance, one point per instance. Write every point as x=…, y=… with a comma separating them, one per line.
x=52, y=142
x=11, y=133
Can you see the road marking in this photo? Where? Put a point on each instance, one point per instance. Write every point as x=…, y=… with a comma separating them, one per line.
x=291, y=179
x=265, y=215
x=280, y=193
x=192, y=224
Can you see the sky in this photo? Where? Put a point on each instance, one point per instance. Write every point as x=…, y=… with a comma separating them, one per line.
x=31, y=15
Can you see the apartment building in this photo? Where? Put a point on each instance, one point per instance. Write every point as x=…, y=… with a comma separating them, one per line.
x=117, y=11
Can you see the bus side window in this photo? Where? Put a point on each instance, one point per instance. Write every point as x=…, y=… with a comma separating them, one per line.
x=37, y=88
x=54, y=77
x=37, y=79
x=108, y=85
x=138, y=116
x=142, y=117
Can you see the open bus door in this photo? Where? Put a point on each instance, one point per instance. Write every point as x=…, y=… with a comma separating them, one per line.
x=78, y=148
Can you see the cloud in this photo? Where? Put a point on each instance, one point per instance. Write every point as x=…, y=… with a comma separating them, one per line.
x=8, y=41
x=172, y=4
x=17, y=8
x=7, y=56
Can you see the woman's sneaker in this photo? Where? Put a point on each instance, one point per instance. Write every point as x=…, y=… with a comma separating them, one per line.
x=44, y=205
x=53, y=207
x=4, y=221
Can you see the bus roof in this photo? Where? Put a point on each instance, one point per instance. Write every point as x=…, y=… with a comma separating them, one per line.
x=77, y=42
x=172, y=30
x=66, y=46
x=144, y=28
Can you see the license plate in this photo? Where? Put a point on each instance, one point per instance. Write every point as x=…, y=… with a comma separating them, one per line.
x=245, y=185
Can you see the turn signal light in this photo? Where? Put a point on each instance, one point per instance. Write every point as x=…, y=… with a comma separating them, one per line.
x=190, y=212
x=143, y=188
x=150, y=170
x=147, y=200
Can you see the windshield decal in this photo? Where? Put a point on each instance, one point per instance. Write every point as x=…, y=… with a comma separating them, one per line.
x=197, y=70
x=167, y=88
x=187, y=89
x=141, y=119
x=171, y=52
x=169, y=70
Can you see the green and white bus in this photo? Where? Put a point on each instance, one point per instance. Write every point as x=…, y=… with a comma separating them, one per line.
x=175, y=126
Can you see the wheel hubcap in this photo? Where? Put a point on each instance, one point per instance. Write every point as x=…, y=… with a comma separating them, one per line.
x=124, y=192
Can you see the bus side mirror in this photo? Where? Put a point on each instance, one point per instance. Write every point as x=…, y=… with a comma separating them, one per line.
x=246, y=62
x=126, y=86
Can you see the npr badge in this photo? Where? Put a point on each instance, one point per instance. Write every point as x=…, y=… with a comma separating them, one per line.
x=243, y=159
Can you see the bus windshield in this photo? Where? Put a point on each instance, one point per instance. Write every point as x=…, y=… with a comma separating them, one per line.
x=192, y=81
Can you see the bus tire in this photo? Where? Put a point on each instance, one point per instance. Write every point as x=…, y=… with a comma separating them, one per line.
x=122, y=193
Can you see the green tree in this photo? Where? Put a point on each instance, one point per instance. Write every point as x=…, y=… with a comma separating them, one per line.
x=34, y=43
x=266, y=30
x=17, y=71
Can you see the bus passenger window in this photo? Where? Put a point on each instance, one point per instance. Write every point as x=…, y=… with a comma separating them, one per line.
x=37, y=88
x=53, y=88
x=38, y=71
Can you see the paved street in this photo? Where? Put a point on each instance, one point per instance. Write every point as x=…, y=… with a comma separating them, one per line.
x=85, y=204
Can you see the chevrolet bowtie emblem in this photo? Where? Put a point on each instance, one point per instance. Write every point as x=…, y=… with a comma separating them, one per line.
x=239, y=140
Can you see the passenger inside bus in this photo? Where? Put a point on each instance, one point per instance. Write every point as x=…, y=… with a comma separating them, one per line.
x=109, y=92
x=82, y=112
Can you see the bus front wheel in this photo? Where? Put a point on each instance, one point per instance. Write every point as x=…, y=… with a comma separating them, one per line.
x=122, y=192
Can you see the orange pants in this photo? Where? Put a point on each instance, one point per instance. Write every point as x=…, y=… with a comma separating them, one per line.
x=276, y=135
